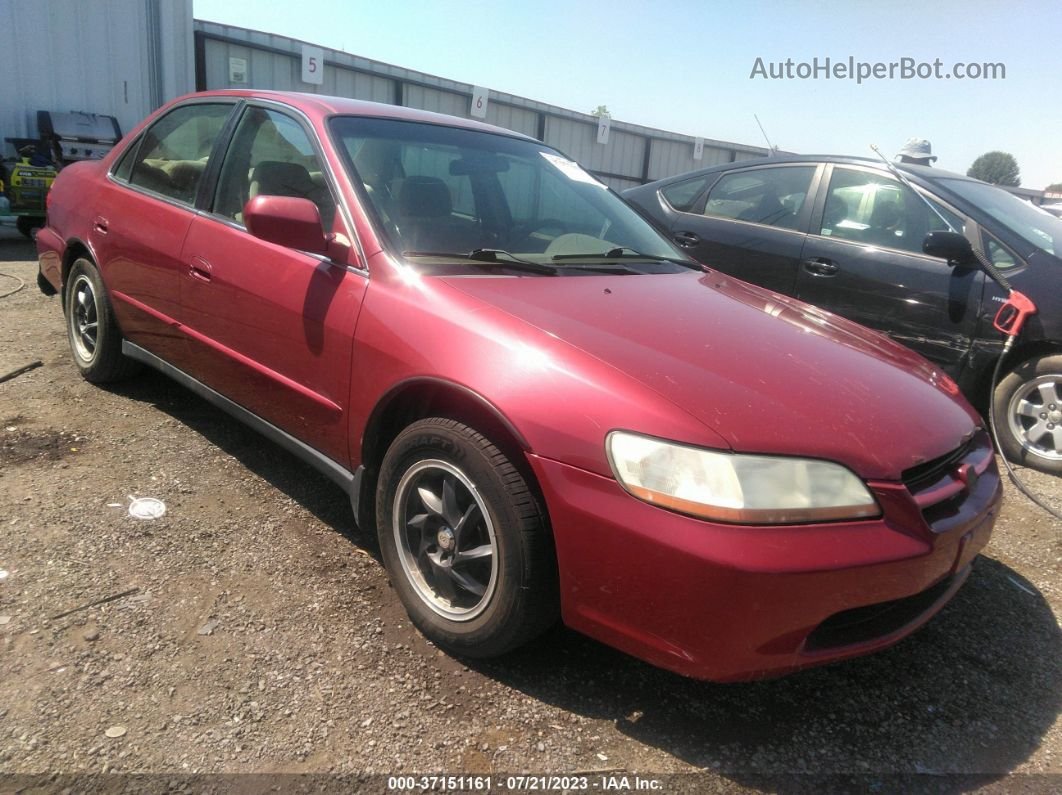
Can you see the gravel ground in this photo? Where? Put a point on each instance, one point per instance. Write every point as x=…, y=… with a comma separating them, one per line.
x=257, y=631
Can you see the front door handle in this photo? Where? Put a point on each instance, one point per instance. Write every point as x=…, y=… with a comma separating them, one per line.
x=820, y=266
x=99, y=223
x=200, y=269
x=687, y=239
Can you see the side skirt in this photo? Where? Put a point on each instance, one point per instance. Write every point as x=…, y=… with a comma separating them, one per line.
x=349, y=481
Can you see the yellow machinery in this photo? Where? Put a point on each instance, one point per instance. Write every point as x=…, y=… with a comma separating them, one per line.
x=26, y=188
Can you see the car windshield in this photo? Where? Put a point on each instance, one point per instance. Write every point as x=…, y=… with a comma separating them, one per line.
x=1032, y=224
x=443, y=193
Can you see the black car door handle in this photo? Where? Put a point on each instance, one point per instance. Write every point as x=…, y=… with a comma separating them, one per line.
x=820, y=266
x=687, y=239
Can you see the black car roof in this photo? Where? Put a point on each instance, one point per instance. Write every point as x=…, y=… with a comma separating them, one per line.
x=923, y=172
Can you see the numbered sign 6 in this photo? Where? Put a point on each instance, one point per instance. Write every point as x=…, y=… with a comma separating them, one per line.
x=479, y=102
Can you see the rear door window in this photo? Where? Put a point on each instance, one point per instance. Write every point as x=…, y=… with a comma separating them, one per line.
x=173, y=154
x=772, y=196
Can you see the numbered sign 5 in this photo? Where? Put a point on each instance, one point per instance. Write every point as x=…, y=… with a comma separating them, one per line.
x=479, y=102
x=312, y=65
x=698, y=148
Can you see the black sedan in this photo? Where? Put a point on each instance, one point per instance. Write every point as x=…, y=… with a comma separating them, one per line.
x=845, y=234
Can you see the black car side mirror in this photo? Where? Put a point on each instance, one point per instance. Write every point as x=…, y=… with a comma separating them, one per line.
x=950, y=246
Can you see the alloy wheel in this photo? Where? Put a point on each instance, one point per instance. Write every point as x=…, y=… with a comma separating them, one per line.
x=445, y=539
x=1035, y=416
x=84, y=318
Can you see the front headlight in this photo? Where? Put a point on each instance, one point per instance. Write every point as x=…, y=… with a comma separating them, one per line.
x=730, y=487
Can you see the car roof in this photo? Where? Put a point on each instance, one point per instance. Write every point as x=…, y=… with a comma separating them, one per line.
x=322, y=106
x=923, y=172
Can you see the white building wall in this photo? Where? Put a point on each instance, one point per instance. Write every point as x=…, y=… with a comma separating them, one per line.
x=121, y=58
x=273, y=61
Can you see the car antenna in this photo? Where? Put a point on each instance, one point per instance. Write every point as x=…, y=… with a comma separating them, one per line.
x=1009, y=320
x=772, y=147
x=899, y=175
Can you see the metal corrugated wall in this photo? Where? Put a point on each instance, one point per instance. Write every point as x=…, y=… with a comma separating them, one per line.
x=121, y=58
x=632, y=156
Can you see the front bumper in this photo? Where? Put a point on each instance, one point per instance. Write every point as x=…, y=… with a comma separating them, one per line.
x=727, y=602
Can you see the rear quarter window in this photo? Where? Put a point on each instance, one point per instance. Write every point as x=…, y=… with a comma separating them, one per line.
x=125, y=165
x=682, y=196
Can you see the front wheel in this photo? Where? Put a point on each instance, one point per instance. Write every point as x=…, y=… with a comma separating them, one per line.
x=91, y=328
x=464, y=540
x=1027, y=409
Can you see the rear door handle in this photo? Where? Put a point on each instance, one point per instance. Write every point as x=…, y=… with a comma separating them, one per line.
x=200, y=269
x=820, y=266
x=687, y=239
x=99, y=223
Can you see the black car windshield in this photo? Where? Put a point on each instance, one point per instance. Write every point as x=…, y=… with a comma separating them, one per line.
x=438, y=190
x=1032, y=224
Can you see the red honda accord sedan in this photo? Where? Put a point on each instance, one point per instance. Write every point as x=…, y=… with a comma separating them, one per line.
x=546, y=410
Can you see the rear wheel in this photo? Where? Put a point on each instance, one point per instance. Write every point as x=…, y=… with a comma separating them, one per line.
x=1027, y=408
x=464, y=540
x=28, y=225
x=94, y=337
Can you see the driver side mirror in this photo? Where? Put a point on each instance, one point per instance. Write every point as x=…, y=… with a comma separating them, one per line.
x=286, y=221
x=950, y=246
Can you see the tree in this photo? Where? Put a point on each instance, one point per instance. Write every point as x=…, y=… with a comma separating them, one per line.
x=998, y=168
x=600, y=110
x=1054, y=187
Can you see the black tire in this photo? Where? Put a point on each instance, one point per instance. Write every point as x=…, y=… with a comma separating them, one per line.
x=1027, y=410
x=487, y=504
x=95, y=340
x=29, y=224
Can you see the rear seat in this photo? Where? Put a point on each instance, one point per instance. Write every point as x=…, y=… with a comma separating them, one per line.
x=178, y=179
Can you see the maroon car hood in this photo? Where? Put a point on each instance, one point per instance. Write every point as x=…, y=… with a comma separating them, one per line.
x=766, y=372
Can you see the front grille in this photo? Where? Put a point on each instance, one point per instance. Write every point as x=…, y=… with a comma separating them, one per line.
x=949, y=490
x=918, y=477
x=863, y=624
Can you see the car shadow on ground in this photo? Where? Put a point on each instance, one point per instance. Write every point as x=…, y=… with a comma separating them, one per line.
x=298, y=480
x=962, y=702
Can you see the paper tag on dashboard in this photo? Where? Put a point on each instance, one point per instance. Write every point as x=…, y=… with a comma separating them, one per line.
x=570, y=169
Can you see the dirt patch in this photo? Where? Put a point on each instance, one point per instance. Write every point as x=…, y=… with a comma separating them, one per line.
x=18, y=446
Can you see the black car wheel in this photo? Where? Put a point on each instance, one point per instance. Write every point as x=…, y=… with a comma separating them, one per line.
x=464, y=540
x=28, y=225
x=94, y=337
x=1027, y=408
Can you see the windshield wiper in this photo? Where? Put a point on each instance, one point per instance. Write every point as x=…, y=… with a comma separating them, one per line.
x=490, y=256
x=626, y=252
x=493, y=254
